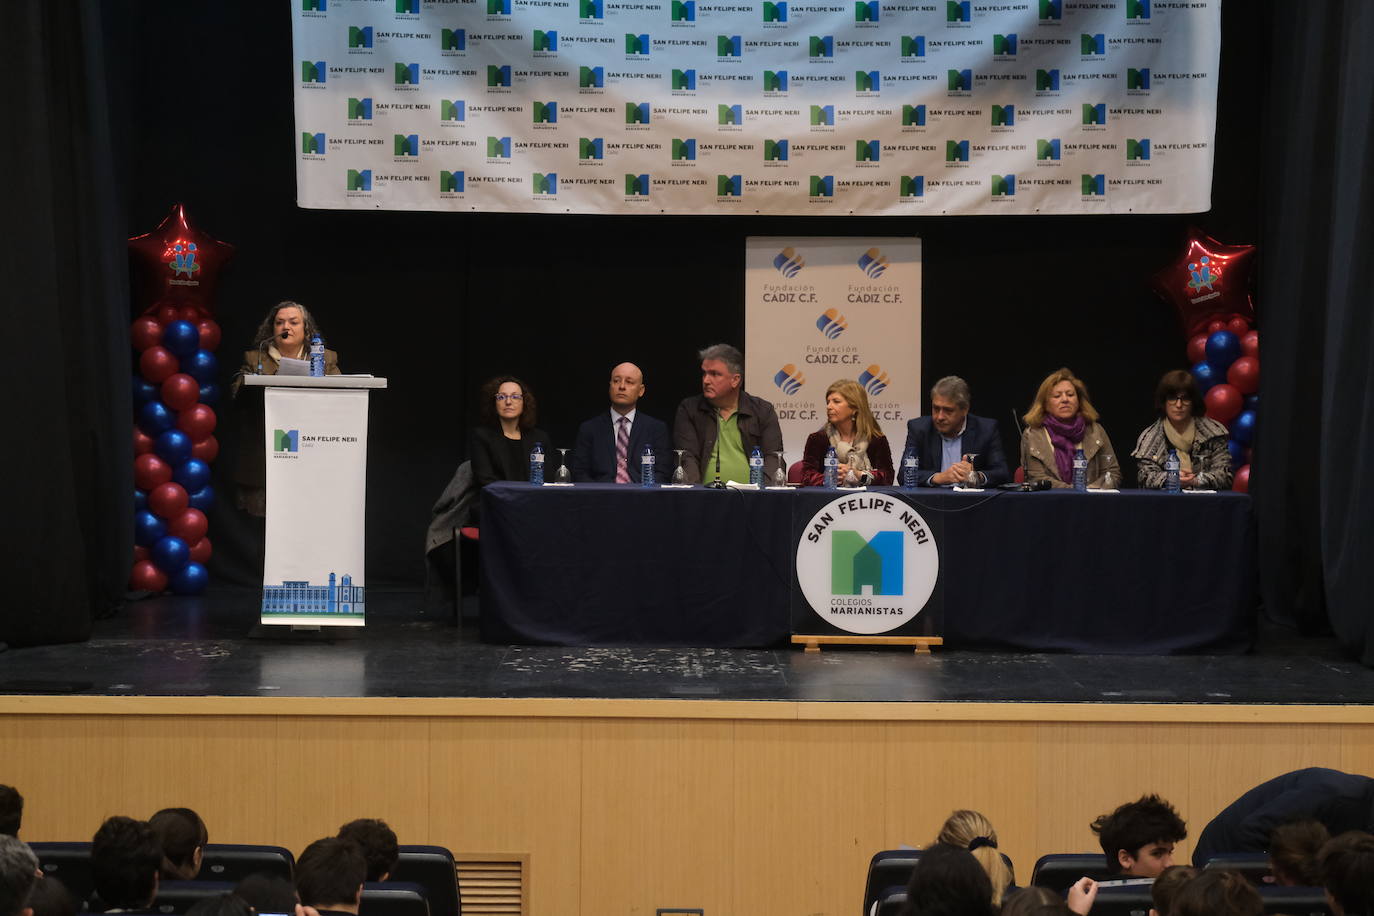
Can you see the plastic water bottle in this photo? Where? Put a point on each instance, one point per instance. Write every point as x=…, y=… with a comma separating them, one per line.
x=832, y=469
x=1080, y=471
x=911, y=466
x=756, y=467
x=646, y=467
x=1171, y=465
x=317, y=357
x=537, y=464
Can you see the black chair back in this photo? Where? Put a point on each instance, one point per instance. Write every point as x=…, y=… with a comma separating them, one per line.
x=180, y=896
x=1253, y=865
x=1123, y=901
x=393, y=898
x=892, y=904
x=234, y=862
x=1295, y=901
x=888, y=870
x=432, y=868
x=1059, y=871
x=69, y=863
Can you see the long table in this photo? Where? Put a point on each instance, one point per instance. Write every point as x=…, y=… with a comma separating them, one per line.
x=1136, y=572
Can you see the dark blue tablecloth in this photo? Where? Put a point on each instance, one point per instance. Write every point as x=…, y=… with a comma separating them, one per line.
x=1138, y=572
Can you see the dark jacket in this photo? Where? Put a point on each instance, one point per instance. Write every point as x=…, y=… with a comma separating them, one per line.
x=1210, y=457
x=694, y=431
x=593, y=457
x=981, y=438
x=813, y=460
x=493, y=459
x=1341, y=801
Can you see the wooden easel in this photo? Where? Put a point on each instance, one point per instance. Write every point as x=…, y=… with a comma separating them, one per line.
x=920, y=644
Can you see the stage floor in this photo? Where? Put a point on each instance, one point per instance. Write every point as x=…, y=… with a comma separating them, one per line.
x=200, y=647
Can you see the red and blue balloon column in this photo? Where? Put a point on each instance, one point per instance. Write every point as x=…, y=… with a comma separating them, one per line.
x=175, y=393
x=1209, y=286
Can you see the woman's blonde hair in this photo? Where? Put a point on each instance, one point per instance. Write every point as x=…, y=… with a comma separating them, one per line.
x=967, y=829
x=865, y=426
x=1036, y=415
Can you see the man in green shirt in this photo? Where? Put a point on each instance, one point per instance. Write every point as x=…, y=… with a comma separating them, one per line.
x=718, y=428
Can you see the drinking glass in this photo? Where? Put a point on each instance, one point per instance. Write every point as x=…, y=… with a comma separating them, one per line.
x=780, y=475
x=679, y=475
x=564, y=475
x=972, y=480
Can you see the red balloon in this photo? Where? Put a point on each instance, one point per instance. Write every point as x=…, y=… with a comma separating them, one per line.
x=143, y=443
x=191, y=313
x=146, y=332
x=200, y=551
x=1249, y=343
x=1224, y=402
x=177, y=264
x=145, y=577
x=150, y=471
x=157, y=364
x=1208, y=281
x=190, y=525
x=140, y=553
x=168, y=500
x=166, y=314
x=1242, y=480
x=180, y=391
x=1215, y=326
x=1197, y=349
x=209, y=334
x=1238, y=326
x=206, y=449
x=198, y=422
x=1245, y=375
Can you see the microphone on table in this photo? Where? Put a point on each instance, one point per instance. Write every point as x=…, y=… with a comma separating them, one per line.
x=717, y=484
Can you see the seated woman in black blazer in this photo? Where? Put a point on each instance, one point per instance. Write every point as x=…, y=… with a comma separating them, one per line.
x=500, y=446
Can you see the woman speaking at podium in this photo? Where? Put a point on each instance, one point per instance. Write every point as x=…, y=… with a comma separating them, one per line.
x=286, y=332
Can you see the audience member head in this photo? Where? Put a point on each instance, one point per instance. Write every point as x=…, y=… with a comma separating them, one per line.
x=378, y=843
x=1035, y=901
x=183, y=837
x=972, y=830
x=125, y=857
x=50, y=897
x=627, y=387
x=18, y=873
x=1346, y=864
x=1217, y=892
x=846, y=400
x=722, y=374
x=222, y=905
x=1061, y=395
x=268, y=894
x=11, y=810
x=330, y=875
x=507, y=398
x=1167, y=886
x=948, y=881
x=1293, y=851
x=1138, y=838
x=1177, y=396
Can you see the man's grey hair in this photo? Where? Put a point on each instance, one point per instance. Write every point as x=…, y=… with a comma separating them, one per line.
x=18, y=874
x=733, y=358
x=952, y=388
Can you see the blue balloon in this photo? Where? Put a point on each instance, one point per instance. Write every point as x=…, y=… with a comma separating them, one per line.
x=192, y=474
x=191, y=579
x=1237, y=451
x=203, y=499
x=181, y=337
x=170, y=554
x=1223, y=348
x=173, y=447
x=144, y=391
x=1243, y=430
x=1206, y=376
x=202, y=367
x=148, y=528
x=1252, y=402
x=140, y=500
x=209, y=395
x=155, y=419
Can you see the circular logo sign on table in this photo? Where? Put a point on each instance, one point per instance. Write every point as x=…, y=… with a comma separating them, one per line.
x=867, y=563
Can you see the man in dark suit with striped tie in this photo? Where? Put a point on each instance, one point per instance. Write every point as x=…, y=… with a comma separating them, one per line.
x=609, y=446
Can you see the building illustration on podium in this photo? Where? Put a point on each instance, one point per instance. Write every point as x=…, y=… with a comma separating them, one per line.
x=297, y=599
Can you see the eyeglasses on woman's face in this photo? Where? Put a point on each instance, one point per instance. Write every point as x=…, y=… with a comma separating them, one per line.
x=510, y=397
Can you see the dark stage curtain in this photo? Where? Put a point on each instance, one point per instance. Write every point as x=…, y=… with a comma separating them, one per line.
x=1314, y=504
x=69, y=474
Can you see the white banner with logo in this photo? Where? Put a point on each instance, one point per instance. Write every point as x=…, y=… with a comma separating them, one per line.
x=822, y=309
x=316, y=495
x=779, y=107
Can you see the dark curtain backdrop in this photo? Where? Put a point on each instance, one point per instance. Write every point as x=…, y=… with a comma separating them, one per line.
x=68, y=470
x=1314, y=505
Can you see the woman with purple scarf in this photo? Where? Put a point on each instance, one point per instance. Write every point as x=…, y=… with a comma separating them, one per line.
x=1061, y=420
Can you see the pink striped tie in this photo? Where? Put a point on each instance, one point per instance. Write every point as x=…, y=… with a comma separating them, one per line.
x=622, y=451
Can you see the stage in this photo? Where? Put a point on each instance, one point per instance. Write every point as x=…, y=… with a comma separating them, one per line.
x=622, y=780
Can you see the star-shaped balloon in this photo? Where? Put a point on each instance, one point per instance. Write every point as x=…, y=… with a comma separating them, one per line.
x=177, y=264
x=1208, y=281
